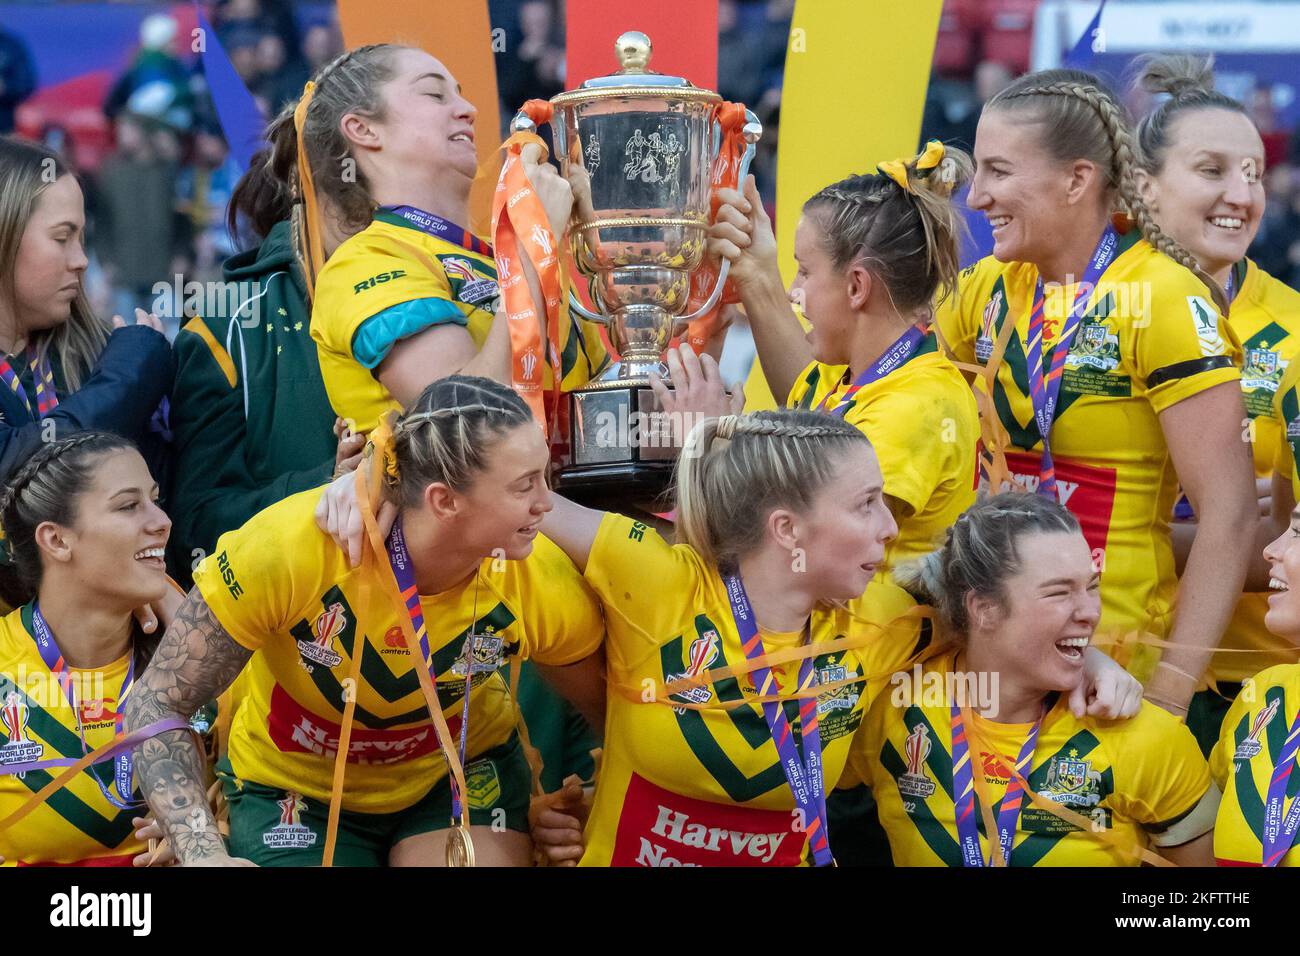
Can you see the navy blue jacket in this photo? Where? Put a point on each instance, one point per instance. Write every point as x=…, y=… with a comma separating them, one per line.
x=121, y=394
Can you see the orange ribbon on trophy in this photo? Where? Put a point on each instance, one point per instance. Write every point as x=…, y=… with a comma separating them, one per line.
x=517, y=214
x=724, y=175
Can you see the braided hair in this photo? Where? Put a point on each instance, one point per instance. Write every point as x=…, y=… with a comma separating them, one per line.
x=1080, y=117
x=735, y=470
x=449, y=431
x=909, y=238
x=980, y=553
x=48, y=488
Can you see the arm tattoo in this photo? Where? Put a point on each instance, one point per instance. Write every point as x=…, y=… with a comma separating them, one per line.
x=195, y=661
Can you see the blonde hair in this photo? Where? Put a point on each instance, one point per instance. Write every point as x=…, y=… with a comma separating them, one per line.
x=449, y=431
x=1079, y=117
x=911, y=237
x=24, y=174
x=980, y=553
x=735, y=470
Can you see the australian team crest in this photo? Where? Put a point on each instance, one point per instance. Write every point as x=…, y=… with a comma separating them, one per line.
x=703, y=652
x=984, y=344
x=1095, y=347
x=839, y=698
x=484, y=652
x=1249, y=748
x=475, y=287
x=914, y=782
x=320, y=649
x=1262, y=368
x=1073, y=782
x=20, y=748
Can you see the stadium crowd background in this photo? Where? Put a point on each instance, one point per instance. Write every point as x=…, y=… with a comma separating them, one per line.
x=157, y=173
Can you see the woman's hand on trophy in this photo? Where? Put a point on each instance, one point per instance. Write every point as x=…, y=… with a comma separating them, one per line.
x=554, y=191
x=697, y=392
x=742, y=234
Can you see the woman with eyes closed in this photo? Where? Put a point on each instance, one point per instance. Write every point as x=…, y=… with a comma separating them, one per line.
x=412, y=296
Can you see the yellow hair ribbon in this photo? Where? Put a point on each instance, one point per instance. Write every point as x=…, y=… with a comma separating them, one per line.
x=381, y=443
x=924, y=163
x=310, y=228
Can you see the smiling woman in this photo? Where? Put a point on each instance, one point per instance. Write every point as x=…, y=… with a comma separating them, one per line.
x=1018, y=598
x=87, y=538
x=1101, y=333
x=405, y=651
x=385, y=134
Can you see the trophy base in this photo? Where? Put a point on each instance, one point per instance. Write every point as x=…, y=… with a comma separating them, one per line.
x=622, y=454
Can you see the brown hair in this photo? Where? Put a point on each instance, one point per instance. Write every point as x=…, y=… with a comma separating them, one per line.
x=1189, y=81
x=1079, y=117
x=351, y=83
x=47, y=488
x=25, y=172
x=910, y=237
x=449, y=431
x=980, y=553
x=735, y=470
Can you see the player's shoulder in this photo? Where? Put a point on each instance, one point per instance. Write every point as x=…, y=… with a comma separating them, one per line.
x=1152, y=730
x=1284, y=676
x=547, y=564
x=1271, y=296
x=16, y=644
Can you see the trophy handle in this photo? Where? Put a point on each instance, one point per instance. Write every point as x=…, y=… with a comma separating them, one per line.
x=576, y=305
x=752, y=131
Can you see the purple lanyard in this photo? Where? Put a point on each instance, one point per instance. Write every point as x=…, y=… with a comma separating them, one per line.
x=440, y=228
x=1279, y=834
x=1044, y=389
x=894, y=357
x=404, y=573
x=1230, y=288
x=43, y=378
x=963, y=779
x=123, y=763
x=803, y=776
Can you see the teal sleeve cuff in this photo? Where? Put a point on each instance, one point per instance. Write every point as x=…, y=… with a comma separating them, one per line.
x=377, y=335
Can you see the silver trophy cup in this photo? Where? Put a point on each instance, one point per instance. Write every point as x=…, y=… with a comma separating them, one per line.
x=640, y=147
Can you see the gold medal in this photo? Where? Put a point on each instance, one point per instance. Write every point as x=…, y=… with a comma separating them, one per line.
x=460, y=846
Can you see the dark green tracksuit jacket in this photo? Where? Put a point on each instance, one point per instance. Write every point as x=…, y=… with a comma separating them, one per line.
x=249, y=415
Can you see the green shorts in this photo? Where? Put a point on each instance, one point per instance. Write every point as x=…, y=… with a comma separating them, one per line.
x=276, y=828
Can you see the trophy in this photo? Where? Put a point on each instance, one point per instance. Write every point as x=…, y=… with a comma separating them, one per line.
x=646, y=143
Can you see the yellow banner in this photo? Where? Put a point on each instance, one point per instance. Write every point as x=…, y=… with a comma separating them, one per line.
x=856, y=73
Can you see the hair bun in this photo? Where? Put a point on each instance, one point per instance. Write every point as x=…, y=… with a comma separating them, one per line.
x=1175, y=74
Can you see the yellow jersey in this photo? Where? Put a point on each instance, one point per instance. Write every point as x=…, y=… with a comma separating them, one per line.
x=922, y=421
x=392, y=262
x=77, y=824
x=1243, y=761
x=1266, y=317
x=686, y=787
x=1150, y=337
x=282, y=588
x=1137, y=777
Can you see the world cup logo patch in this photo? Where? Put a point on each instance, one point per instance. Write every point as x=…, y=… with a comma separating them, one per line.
x=703, y=652
x=914, y=782
x=290, y=833
x=20, y=748
x=320, y=649
x=1250, y=747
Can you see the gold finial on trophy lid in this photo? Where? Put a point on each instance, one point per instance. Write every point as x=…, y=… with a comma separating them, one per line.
x=633, y=50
